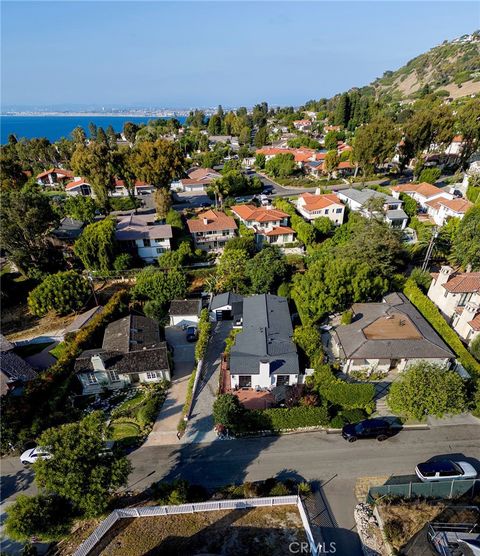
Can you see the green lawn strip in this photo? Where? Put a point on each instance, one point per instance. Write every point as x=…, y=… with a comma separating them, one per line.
x=122, y=430
x=31, y=349
x=58, y=350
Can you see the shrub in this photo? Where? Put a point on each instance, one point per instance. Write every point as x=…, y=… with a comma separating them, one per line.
x=354, y=415
x=430, y=175
x=475, y=347
x=348, y=395
x=47, y=517
x=284, y=290
x=278, y=419
x=337, y=422
x=308, y=339
x=63, y=293
x=279, y=490
x=251, y=490
x=228, y=411
x=347, y=317
x=170, y=494
x=304, y=488
x=422, y=278
x=427, y=389
x=123, y=262
x=432, y=314
x=147, y=413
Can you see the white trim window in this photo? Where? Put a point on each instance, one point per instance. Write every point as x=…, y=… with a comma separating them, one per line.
x=113, y=376
x=151, y=376
x=92, y=378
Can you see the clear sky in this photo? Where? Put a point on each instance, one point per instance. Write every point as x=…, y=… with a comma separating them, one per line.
x=182, y=54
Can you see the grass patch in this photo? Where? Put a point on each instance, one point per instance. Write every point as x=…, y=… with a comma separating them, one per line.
x=31, y=349
x=58, y=350
x=123, y=430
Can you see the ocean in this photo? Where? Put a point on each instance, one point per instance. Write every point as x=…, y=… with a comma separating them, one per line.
x=55, y=127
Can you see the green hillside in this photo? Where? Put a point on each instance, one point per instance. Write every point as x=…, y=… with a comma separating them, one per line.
x=452, y=67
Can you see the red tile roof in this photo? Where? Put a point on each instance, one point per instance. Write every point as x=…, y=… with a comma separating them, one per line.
x=254, y=214
x=425, y=189
x=138, y=183
x=457, y=139
x=202, y=173
x=465, y=282
x=280, y=231
x=475, y=323
x=76, y=183
x=315, y=202
x=60, y=171
x=300, y=155
x=215, y=221
x=346, y=164
x=457, y=205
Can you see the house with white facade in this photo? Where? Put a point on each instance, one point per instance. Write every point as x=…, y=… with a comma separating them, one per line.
x=79, y=186
x=270, y=224
x=54, y=176
x=388, y=335
x=357, y=200
x=139, y=188
x=457, y=295
x=423, y=193
x=211, y=230
x=142, y=236
x=198, y=180
x=312, y=206
x=184, y=312
x=302, y=125
x=264, y=354
x=441, y=209
x=131, y=353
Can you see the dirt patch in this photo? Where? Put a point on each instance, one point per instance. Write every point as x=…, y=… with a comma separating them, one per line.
x=364, y=484
x=403, y=519
x=19, y=324
x=266, y=531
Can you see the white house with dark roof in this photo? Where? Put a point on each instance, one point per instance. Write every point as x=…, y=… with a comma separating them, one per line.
x=357, y=200
x=141, y=235
x=388, y=335
x=457, y=295
x=198, y=180
x=184, y=312
x=264, y=354
x=131, y=353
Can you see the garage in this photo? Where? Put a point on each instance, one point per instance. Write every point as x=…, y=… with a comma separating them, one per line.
x=184, y=312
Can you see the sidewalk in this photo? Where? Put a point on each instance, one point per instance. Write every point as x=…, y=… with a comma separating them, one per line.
x=164, y=430
x=200, y=427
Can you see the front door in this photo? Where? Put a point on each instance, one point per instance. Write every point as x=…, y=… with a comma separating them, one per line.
x=134, y=378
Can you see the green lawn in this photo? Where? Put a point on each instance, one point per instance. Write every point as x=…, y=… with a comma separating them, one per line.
x=120, y=431
x=57, y=351
x=31, y=349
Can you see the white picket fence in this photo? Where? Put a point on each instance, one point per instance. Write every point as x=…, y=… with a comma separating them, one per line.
x=151, y=511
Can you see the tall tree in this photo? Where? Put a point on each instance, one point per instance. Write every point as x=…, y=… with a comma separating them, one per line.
x=266, y=270
x=78, y=136
x=375, y=143
x=468, y=117
x=92, y=130
x=331, y=162
x=130, y=131
x=163, y=202
x=342, y=111
x=245, y=136
x=96, y=246
x=466, y=243
x=27, y=220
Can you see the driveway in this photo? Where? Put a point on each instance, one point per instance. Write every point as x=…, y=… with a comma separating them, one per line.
x=165, y=427
x=200, y=426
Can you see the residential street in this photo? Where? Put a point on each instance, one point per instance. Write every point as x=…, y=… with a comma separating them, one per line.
x=328, y=459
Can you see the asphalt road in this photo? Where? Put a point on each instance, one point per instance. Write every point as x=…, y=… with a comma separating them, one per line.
x=327, y=459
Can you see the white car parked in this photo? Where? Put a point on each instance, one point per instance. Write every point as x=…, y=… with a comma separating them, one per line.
x=445, y=470
x=34, y=454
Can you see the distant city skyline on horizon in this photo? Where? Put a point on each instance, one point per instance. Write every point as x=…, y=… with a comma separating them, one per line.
x=180, y=56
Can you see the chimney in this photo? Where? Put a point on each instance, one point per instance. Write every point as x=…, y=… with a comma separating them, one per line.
x=444, y=275
x=205, y=220
x=264, y=367
x=97, y=363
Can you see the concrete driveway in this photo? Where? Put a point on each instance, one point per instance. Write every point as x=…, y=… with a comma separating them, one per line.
x=165, y=428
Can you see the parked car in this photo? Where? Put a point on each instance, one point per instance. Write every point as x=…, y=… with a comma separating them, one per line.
x=369, y=428
x=267, y=189
x=33, y=454
x=192, y=334
x=444, y=470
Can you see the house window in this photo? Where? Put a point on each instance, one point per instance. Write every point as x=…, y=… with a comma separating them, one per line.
x=92, y=378
x=160, y=250
x=113, y=376
x=283, y=380
x=339, y=210
x=151, y=376
x=446, y=293
x=464, y=298
x=146, y=243
x=245, y=381
x=326, y=211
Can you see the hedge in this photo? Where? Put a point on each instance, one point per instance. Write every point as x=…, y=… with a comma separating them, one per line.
x=182, y=424
x=433, y=316
x=280, y=419
x=204, y=328
x=350, y=396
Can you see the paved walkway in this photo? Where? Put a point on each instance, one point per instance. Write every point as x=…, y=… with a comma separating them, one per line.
x=200, y=426
x=164, y=430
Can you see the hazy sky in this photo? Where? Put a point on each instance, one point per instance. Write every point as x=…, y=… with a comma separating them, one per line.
x=203, y=53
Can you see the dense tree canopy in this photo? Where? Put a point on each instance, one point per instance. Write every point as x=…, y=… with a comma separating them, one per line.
x=96, y=246
x=62, y=293
x=266, y=270
x=466, y=243
x=281, y=165
x=159, y=285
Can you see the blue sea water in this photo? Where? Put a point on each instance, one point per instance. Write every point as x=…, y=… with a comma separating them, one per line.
x=55, y=127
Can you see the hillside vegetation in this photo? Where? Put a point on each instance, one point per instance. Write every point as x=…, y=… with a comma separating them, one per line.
x=453, y=68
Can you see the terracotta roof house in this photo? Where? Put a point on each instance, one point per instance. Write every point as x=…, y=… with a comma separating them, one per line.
x=300, y=155
x=199, y=179
x=139, y=188
x=358, y=199
x=79, y=186
x=270, y=225
x=457, y=295
x=142, y=236
x=131, y=353
x=423, y=192
x=388, y=335
x=14, y=371
x=442, y=209
x=211, y=230
x=312, y=206
x=264, y=354
x=54, y=176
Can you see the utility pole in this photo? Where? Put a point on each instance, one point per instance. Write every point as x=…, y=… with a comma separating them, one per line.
x=430, y=248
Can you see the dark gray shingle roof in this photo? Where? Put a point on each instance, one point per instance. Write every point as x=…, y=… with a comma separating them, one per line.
x=141, y=361
x=83, y=319
x=179, y=307
x=266, y=335
x=223, y=299
x=15, y=368
x=356, y=345
x=131, y=333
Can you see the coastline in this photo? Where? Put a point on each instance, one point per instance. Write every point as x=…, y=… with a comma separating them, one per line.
x=94, y=114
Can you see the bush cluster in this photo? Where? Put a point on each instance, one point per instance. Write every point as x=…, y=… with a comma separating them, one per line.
x=281, y=419
x=204, y=329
